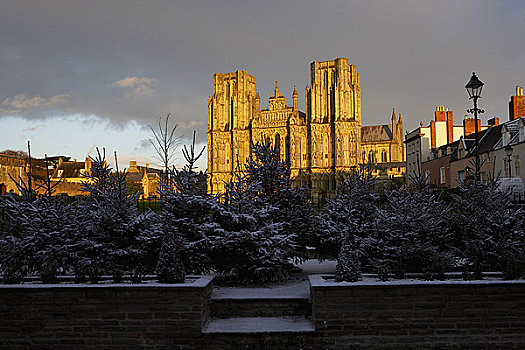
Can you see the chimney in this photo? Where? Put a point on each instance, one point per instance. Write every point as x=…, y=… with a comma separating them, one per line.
x=133, y=166
x=450, y=126
x=433, y=134
x=493, y=121
x=87, y=165
x=469, y=126
x=439, y=115
x=517, y=104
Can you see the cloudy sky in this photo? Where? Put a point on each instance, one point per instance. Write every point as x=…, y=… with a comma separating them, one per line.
x=79, y=74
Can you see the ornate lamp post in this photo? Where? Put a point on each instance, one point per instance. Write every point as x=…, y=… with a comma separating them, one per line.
x=508, y=152
x=474, y=87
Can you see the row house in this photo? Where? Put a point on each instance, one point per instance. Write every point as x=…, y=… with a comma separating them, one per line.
x=423, y=141
x=501, y=153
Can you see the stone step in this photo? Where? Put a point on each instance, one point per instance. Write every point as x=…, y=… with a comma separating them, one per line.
x=259, y=325
x=260, y=307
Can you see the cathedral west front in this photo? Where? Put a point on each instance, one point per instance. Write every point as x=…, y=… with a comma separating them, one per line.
x=323, y=140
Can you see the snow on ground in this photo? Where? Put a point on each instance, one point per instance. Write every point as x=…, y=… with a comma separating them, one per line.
x=259, y=324
x=298, y=287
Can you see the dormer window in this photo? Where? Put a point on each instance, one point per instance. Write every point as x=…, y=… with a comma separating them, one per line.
x=505, y=138
x=60, y=172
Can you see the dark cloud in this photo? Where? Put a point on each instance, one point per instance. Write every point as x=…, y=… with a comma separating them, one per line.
x=128, y=60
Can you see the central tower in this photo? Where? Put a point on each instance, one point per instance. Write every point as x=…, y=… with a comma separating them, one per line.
x=334, y=114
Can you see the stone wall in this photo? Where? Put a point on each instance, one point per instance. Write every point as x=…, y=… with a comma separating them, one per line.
x=363, y=315
x=103, y=316
x=414, y=315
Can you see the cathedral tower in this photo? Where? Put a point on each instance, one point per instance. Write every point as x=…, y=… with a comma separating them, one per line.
x=334, y=113
x=230, y=111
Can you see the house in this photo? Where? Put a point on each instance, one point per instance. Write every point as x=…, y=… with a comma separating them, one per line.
x=512, y=164
x=423, y=141
x=147, y=178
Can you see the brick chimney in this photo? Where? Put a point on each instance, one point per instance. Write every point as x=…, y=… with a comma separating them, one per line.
x=517, y=104
x=450, y=127
x=469, y=126
x=439, y=115
x=493, y=121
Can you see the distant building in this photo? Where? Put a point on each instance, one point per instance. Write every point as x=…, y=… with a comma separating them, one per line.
x=423, y=141
x=14, y=170
x=454, y=162
x=71, y=175
x=513, y=134
x=148, y=178
x=325, y=139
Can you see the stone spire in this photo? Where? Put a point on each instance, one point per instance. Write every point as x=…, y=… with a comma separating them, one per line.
x=295, y=96
x=257, y=101
x=394, y=119
x=276, y=89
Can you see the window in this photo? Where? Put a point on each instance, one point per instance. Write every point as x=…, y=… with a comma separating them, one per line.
x=517, y=166
x=442, y=179
x=60, y=172
x=506, y=167
x=461, y=175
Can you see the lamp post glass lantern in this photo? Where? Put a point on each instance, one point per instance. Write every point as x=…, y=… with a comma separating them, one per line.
x=474, y=87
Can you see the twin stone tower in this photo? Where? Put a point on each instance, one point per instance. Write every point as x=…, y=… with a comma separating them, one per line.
x=317, y=144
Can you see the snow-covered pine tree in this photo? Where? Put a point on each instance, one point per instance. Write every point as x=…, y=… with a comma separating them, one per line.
x=33, y=235
x=186, y=209
x=266, y=182
x=258, y=227
x=113, y=238
x=412, y=234
x=348, y=266
x=489, y=230
x=347, y=216
x=170, y=268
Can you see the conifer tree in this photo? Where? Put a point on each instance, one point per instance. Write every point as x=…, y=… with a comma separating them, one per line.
x=170, y=268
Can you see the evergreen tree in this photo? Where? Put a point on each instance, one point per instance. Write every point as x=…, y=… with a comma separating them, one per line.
x=258, y=228
x=412, y=234
x=170, y=268
x=348, y=266
x=489, y=230
x=186, y=210
x=113, y=237
x=348, y=216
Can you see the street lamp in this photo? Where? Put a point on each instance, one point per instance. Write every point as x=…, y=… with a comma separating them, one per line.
x=474, y=87
x=508, y=152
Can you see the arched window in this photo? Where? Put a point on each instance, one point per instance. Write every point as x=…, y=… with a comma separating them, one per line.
x=384, y=158
x=371, y=157
x=277, y=143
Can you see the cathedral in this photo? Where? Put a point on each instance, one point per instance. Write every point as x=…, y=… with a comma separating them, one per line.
x=325, y=139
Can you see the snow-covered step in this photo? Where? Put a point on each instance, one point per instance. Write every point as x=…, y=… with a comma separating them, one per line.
x=252, y=325
x=260, y=307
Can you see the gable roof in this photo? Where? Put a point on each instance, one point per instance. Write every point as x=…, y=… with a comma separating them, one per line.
x=69, y=169
x=376, y=133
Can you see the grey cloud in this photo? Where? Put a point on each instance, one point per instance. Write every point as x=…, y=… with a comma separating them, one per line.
x=410, y=54
x=143, y=145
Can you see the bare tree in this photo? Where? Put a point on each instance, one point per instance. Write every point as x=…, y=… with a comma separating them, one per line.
x=190, y=155
x=164, y=142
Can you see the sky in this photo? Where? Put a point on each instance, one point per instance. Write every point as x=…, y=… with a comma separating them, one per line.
x=76, y=75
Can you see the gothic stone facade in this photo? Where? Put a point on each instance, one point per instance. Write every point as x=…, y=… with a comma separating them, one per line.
x=324, y=140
